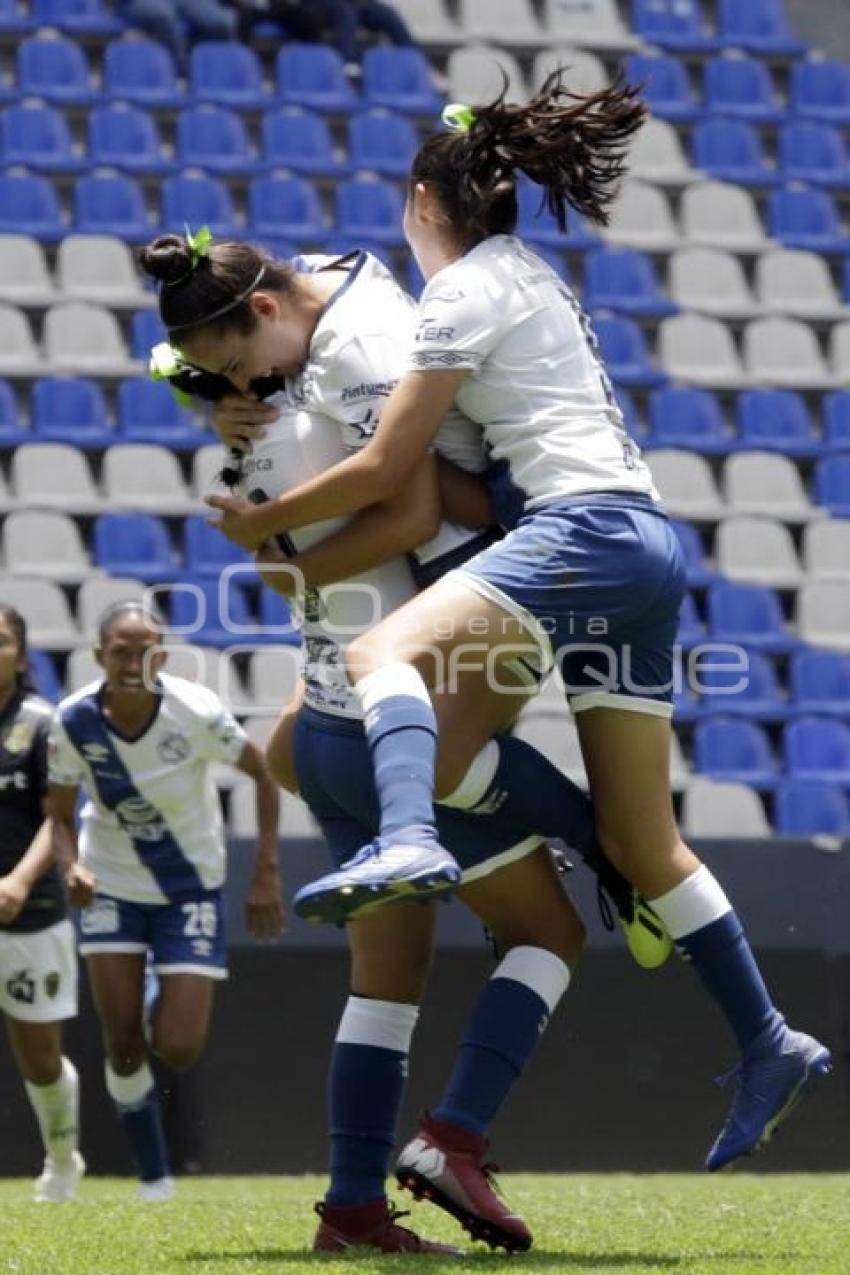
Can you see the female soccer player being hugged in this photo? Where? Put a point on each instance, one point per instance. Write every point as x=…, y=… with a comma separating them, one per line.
x=149, y=866
x=592, y=573
x=38, y=964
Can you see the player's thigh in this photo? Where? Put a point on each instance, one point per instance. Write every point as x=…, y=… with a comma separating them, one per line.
x=117, y=981
x=525, y=904
x=471, y=712
x=280, y=748
x=36, y=1049
x=627, y=758
x=181, y=1018
x=391, y=952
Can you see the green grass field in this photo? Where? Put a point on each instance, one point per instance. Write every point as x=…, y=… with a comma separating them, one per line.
x=615, y=1225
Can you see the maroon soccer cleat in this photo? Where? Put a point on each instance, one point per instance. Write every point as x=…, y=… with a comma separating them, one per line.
x=375, y=1225
x=444, y=1163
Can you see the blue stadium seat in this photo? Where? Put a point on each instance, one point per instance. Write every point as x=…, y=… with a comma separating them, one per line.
x=300, y=140
x=635, y=427
x=31, y=201
x=44, y=676
x=672, y=24
x=135, y=545
x=12, y=18
x=206, y=552
x=285, y=207
x=276, y=618
x=806, y=219
x=343, y=245
x=313, y=75
x=699, y=574
x=805, y=809
x=820, y=683
x=776, y=420
x=210, y=620
x=228, y=74
x=814, y=153
x=149, y=413
x=759, y=26
x=690, y=419
x=736, y=752
x=399, y=79
x=667, y=89
x=750, y=615
x=730, y=150
x=68, y=410
x=198, y=201
x=836, y=420
x=142, y=72
x=12, y=429
x=691, y=629
x=831, y=487
x=534, y=221
x=38, y=137
x=753, y=693
x=625, y=280
x=214, y=139
x=123, y=136
x=742, y=88
x=818, y=748
x=821, y=91
x=56, y=69
x=624, y=352
x=77, y=17
x=381, y=142
x=146, y=331
x=369, y=210
x=106, y=204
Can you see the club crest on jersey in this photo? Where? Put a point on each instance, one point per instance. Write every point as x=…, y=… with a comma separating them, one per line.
x=21, y=987
x=173, y=747
x=19, y=737
x=51, y=984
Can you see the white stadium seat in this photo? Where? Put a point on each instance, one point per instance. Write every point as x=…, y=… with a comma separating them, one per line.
x=721, y=216
x=823, y=614
x=826, y=549
x=686, y=485
x=86, y=339
x=82, y=669
x=510, y=22
x=763, y=483
x=719, y=810
x=700, y=350
x=712, y=282
x=45, y=543
x=785, y=352
x=99, y=593
x=839, y=353
x=24, y=277
x=641, y=218
x=206, y=465
x=19, y=354
x=475, y=74
x=55, y=475
x=99, y=269
x=211, y=668
x=144, y=476
x=585, y=72
x=50, y=624
x=592, y=24
x=798, y=284
x=757, y=551
x=656, y=156
x=429, y=21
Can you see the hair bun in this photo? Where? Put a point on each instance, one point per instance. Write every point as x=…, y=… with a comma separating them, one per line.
x=168, y=258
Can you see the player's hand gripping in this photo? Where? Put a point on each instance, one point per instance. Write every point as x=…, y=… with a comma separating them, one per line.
x=239, y=420
x=264, y=911
x=81, y=885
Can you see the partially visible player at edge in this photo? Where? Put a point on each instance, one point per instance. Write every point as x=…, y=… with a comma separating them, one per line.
x=38, y=963
x=148, y=868
x=502, y=336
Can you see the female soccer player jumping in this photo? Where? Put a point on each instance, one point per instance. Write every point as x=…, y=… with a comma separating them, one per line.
x=150, y=864
x=592, y=573
x=38, y=964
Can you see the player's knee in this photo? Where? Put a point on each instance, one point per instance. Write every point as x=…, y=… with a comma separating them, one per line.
x=360, y=658
x=41, y=1061
x=564, y=937
x=125, y=1047
x=179, y=1053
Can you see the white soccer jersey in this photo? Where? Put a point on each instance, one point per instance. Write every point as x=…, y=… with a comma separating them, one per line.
x=151, y=827
x=538, y=388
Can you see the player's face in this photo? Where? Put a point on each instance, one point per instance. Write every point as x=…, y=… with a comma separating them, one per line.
x=277, y=346
x=12, y=659
x=131, y=656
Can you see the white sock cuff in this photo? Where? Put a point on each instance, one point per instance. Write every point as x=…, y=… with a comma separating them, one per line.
x=477, y=780
x=392, y=679
x=129, y=1091
x=692, y=904
x=536, y=968
x=68, y=1079
x=381, y=1024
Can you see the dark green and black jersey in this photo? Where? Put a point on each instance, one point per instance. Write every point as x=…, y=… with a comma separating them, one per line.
x=24, y=727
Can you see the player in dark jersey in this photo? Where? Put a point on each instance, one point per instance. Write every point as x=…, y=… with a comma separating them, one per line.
x=38, y=969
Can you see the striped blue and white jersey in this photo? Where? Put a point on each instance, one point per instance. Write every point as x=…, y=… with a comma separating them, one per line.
x=537, y=387
x=151, y=827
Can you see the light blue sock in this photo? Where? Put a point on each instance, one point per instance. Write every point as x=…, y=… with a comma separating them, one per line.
x=704, y=927
x=401, y=731
x=137, y=1104
x=367, y=1078
x=512, y=1013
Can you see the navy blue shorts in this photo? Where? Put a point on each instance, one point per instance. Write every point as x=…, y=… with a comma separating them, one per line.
x=185, y=937
x=597, y=581
x=335, y=779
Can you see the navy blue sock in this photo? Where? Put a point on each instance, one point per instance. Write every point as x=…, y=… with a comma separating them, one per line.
x=707, y=931
x=365, y=1090
x=511, y=1015
x=402, y=734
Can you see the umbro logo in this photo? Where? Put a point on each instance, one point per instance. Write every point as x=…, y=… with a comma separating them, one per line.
x=95, y=752
x=427, y=1159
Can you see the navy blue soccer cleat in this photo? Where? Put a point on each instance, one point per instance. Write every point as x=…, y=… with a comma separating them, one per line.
x=770, y=1081
x=376, y=875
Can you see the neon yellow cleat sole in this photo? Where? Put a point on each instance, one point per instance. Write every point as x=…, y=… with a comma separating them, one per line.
x=646, y=935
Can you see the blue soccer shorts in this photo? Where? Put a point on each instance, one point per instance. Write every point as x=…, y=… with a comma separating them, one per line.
x=183, y=937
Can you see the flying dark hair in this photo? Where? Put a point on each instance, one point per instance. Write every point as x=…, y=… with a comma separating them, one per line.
x=211, y=290
x=573, y=146
x=132, y=606
x=16, y=622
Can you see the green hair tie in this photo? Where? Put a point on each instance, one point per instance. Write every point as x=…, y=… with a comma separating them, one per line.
x=199, y=244
x=457, y=117
x=164, y=363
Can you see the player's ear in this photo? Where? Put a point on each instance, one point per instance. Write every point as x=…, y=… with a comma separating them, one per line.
x=265, y=305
